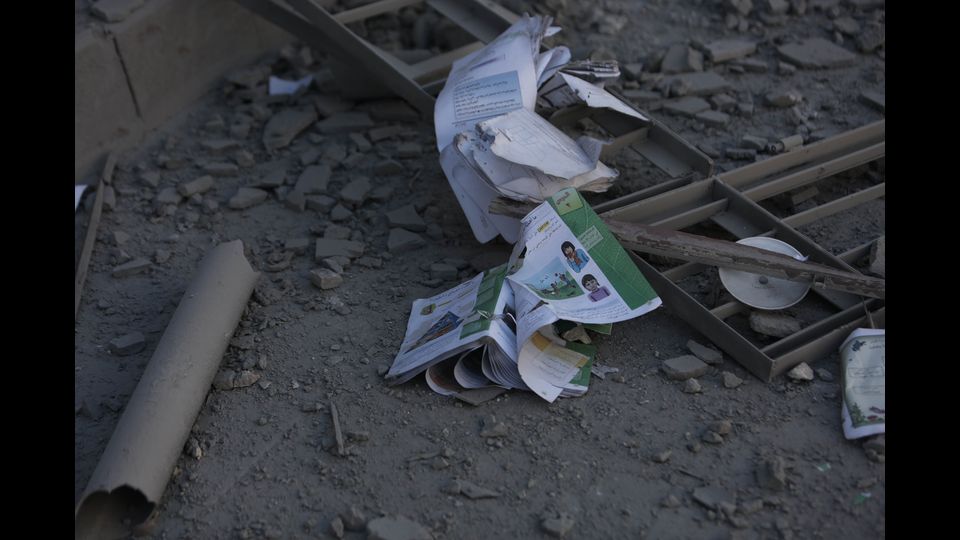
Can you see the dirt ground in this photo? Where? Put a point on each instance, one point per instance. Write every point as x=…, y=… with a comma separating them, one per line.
x=267, y=469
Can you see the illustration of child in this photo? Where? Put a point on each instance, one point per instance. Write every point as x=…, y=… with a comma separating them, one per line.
x=576, y=258
x=597, y=292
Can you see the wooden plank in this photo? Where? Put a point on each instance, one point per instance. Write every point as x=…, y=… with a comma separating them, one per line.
x=80, y=276
x=701, y=249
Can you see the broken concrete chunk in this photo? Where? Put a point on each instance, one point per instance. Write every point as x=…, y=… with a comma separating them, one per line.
x=151, y=178
x=692, y=386
x=771, y=474
x=224, y=380
x=337, y=231
x=816, y=53
x=687, y=106
x=801, y=372
x=219, y=146
x=846, y=25
x=200, y=185
x=684, y=367
x=297, y=245
x=331, y=247
x=221, y=169
x=336, y=527
x=878, y=257
x=730, y=380
x=407, y=218
x=320, y=203
x=388, y=167
x=712, y=497
x=723, y=102
x=699, y=84
x=324, y=278
x=403, y=240
x=724, y=50
x=168, y=196
x=271, y=180
x=362, y=143
x=340, y=213
x=753, y=143
x=162, y=255
x=131, y=343
x=385, y=132
x=713, y=118
x=313, y=179
x=773, y=324
x=130, y=268
x=115, y=10
x=707, y=354
x=872, y=38
x=295, y=200
x=247, y=197
x=345, y=122
x=284, y=126
x=355, y=193
x=681, y=59
x=752, y=65
x=396, y=528
x=245, y=378
x=784, y=98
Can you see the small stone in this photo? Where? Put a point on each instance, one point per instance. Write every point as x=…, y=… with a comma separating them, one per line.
x=752, y=65
x=712, y=437
x=694, y=447
x=396, y=528
x=730, y=380
x=846, y=25
x=334, y=153
x=320, y=203
x=801, y=372
x=120, y=238
x=753, y=143
x=221, y=169
x=284, y=126
x=388, y=167
x=345, y=122
x=363, y=145
x=713, y=118
x=707, y=354
x=324, y=278
x=498, y=429
x=774, y=325
x=133, y=267
x=337, y=231
x=333, y=264
x=681, y=59
x=244, y=158
x=403, y=240
x=200, y=185
x=816, y=53
x=354, y=519
x=340, y=213
x=313, y=179
x=771, y=474
x=407, y=218
x=385, y=132
x=872, y=38
x=246, y=378
x=355, y=193
x=443, y=271
x=224, y=380
x=557, y=525
x=722, y=427
x=745, y=109
x=162, y=255
x=784, y=99
x=168, y=196
x=219, y=147
x=115, y=10
x=297, y=245
x=684, y=367
x=662, y=457
x=876, y=444
x=687, y=106
x=712, y=497
x=151, y=178
x=692, y=386
x=247, y=197
x=128, y=344
x=724, y=50
x=271, y=180
x=295, y=200
x=336, y=526
x=671, y=501
x=824, y=375
x=698, y=84
x=723, y=102
x=330, y=247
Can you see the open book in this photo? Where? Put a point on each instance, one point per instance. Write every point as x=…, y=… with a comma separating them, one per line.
x=501, y=327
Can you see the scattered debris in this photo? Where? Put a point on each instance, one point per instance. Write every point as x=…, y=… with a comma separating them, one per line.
x=815, y=53
x=284, y=126
x=130, y=268
x=730, y=380
x=128, y=344
x=557, y=524
x=712, y=497
x=724, y=50
x=247, y=197
x=707, y=354
x=684, y=367
x=403, y=240
x=325, y=279
x=801, y=372
x=771, y=474
x=772, y=324
x=662, y=457
x=692, y=386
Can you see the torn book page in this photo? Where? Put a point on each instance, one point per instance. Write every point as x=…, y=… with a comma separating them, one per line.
x=549, y=63
x=526, y=138
x=494, y=80
x=598, y=98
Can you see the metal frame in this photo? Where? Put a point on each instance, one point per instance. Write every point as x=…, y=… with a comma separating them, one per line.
x=729, y=200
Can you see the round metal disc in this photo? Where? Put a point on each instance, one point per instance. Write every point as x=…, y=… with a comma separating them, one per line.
x=764, y=292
